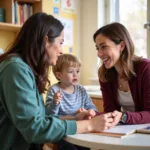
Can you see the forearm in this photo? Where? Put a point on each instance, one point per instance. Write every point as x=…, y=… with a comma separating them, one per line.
x=68, y=118
x=98, y=123
x=84, y=126
x=138, y=117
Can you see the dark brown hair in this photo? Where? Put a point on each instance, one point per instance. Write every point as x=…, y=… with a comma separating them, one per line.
x=116, y=32
x=30, y=45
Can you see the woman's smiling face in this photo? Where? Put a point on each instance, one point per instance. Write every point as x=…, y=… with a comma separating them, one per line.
x=108, y=51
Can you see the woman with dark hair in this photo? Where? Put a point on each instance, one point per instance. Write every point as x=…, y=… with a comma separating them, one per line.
x=24, y=70
x=124, y=78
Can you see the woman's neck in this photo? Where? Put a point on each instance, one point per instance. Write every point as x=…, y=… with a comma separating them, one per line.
x=119, y=69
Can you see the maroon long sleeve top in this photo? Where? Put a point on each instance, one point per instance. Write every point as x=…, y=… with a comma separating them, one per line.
x=140, y=91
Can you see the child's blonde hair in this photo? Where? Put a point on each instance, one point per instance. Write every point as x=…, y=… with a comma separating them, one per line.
x=66, y=60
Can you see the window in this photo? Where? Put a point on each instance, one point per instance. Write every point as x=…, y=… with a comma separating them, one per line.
x=132, y=14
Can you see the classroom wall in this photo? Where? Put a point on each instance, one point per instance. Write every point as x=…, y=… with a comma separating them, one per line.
x=89, y=23
x=6, y=38
x=92, y=17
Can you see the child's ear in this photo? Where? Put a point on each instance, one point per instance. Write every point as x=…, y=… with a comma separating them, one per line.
x=58, y=75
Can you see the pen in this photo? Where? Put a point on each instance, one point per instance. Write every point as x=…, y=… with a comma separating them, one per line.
x=148, y=128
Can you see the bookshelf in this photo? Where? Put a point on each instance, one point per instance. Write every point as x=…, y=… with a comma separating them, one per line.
x=8, y=5
x=9, y=27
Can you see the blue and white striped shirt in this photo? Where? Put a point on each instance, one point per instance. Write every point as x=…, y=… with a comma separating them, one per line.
x=69, y=103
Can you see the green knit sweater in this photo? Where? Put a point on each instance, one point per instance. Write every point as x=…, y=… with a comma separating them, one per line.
x=22, y=111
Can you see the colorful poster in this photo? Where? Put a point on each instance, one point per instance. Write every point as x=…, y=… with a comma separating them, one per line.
x=56, y=1
x=55, y=10
x=68, y=6
x=68, y=31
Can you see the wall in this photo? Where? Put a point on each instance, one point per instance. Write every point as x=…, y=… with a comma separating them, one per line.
x=92, y=13
x=6, y=38
x=88, y=52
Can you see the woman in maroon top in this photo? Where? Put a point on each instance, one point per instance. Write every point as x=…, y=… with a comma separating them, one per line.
x=124, y=78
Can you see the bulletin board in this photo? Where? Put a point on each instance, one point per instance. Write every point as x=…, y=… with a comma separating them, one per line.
x=65, y=11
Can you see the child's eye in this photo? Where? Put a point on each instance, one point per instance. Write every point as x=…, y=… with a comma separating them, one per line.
x=70, y=71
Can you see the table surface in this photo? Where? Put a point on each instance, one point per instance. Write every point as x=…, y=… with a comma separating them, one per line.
x=131, y=142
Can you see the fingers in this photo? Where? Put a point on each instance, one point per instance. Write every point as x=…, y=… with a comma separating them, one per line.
x=57, y=97
x=108, y=126
x=92, y=113
x=82, y=115
x=80, y=110
x=59, y=91
x=105, y=121
x=114, y=113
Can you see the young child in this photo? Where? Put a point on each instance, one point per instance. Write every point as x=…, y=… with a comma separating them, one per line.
x=67, y=97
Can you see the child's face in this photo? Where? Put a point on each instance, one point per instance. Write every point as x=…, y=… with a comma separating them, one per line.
x=70, y=75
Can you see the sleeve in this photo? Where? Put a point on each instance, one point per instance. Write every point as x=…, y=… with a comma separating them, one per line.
x=51, y=107
x=88, y=104
x=143, y=116
x=26, y=109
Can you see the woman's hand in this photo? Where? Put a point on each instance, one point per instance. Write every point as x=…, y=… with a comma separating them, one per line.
x=81, y=110
x=90, y=113
x=86, y=114
x=102, y=122
x=96, y=124
x=116, y=117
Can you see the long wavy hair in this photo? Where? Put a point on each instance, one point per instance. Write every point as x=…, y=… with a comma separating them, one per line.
x=30, y=45
x=116, y=32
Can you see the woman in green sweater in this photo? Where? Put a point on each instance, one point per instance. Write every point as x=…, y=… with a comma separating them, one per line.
x=24, y=70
